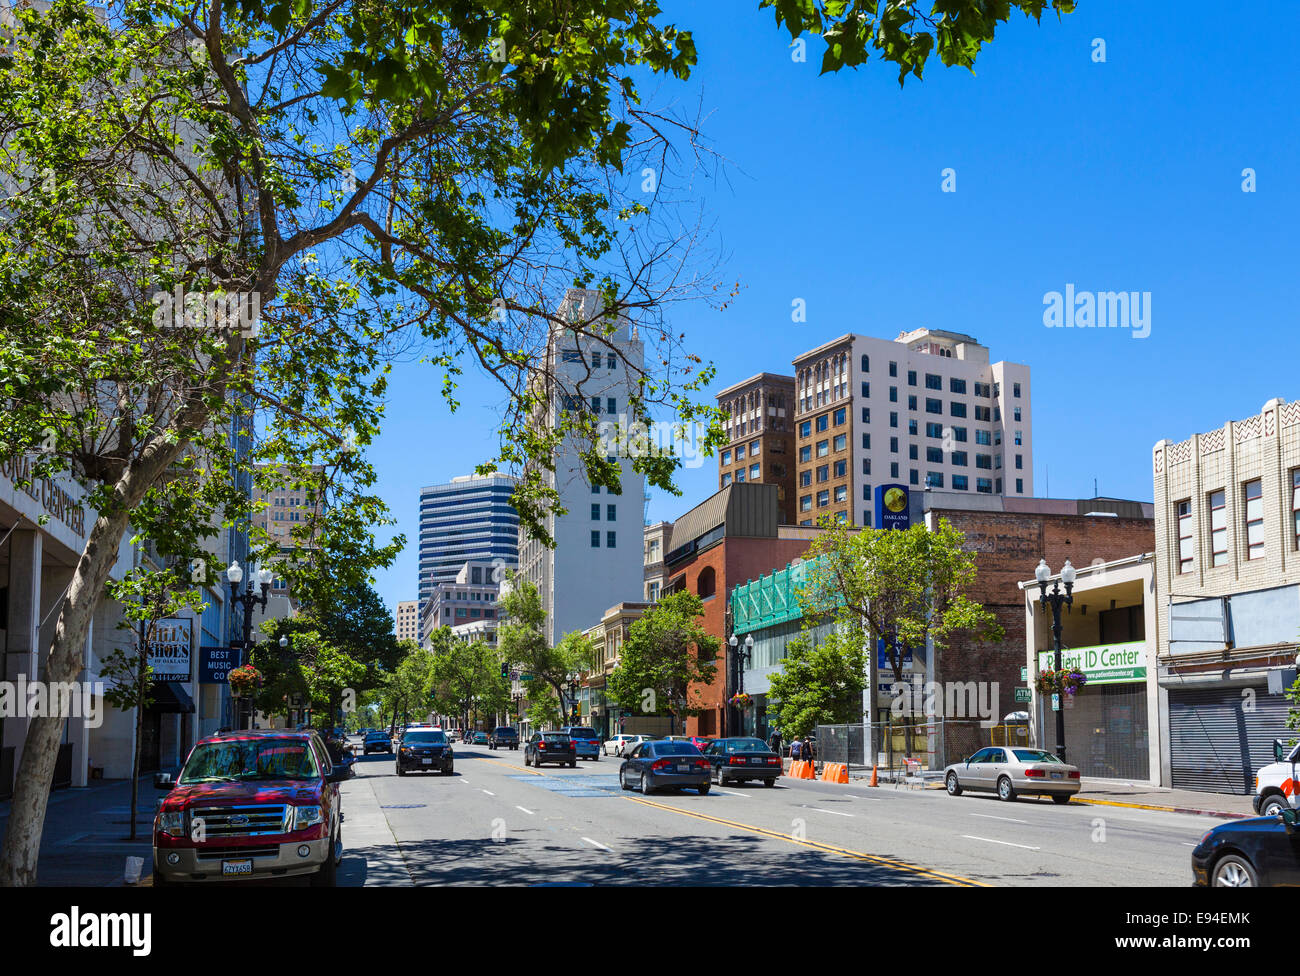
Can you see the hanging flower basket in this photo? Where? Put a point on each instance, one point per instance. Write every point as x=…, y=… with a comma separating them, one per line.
x=244, y=680
x=1066, y=681
x=741, y=700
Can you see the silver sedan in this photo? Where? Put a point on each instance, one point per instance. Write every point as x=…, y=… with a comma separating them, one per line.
x=1011, y=771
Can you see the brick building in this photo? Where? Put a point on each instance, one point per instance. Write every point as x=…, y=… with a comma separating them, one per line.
x=758, y=416
x=731, y=537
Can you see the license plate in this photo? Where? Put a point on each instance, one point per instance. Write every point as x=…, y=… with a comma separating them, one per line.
x=242, y=866
x=1056, y=775
x=683, y=769
x=427, y=762
x=756, y=762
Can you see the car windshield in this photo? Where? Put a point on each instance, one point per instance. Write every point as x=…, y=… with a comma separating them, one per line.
x=578, y=733
x=1035, y=756
x=437, y=738
x=505, y=730
x=746, y=745
x=674, y=749
x=555, y=737
x=250, y=759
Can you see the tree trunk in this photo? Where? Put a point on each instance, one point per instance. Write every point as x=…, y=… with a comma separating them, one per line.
x=35, y=772
x=139, y=729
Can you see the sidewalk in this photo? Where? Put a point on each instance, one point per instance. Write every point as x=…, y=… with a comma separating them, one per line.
x=84, y=841
x=1145, y=797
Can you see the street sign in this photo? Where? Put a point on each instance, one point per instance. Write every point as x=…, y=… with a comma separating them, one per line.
x=514, y=675
x=1022, y=695
x=1056, y=703
x=525, y=677
x=1024, y=675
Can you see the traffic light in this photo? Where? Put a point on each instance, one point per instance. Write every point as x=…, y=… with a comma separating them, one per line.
x=505, y=669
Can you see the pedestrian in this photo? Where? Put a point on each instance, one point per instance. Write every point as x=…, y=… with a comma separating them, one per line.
x=796, y=749
x=809, y=749
x=775, y=742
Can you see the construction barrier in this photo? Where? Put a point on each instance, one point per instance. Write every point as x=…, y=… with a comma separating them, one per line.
x=801, y=770
x=835, y=772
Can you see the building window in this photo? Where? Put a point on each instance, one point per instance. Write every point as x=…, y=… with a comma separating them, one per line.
x=805, y=478
x=866, y=442
x=805, y=428
x=1020, y=486
x=913, y=477
x=805, y=503
x=823, y=448
x=740, y=452
x=956, y=409
x=610, y=511
x=956, y=386
x=893, y=419
x=1218, y=529
x=726, y=457
x=754, y=473
x=893, y=369
x=866, y=415
x=1255, y=519
x=841, y=415
x=893, y=445
x=984, y=461
x=893, y=469
x=933, y=406
x=934, y=430
x=609, y=540
x=1186, y=537
x=866, y=364
x=595, y=538
x=934, y=455
x=934, y=479
x=912, y=427
x=1015, y=389
x=912, y=452
x=933, y=381
x=595, y=511
x=740, y=476
x=1016, y=414
x=866, y=390
x=823, y=499
x=1017, y=438
x=960, y=483
x=754, y=447
x=706, y=583
x=726, y=479
x=893, y=394
x=823, y=472
x=805, y=453
x=841, y=442
x=841, y=493
x=959, y=459
x=842, y=468
x=821, y=422
x=1295, y=505
x=595, y=489
x=911, y=377
x=984, y=486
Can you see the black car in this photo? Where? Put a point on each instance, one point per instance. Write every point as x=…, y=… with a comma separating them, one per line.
x=1254, y=853
x=663, y=764
x=742, y=759
x=377, y=742
x=550, y=747
x=502, y=736
x=424, y=751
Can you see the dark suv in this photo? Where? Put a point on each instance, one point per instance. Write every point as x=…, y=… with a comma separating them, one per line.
x=424, y=751
x=377, y=742
x=503, y=735
x=550, y=747
x=251, y=804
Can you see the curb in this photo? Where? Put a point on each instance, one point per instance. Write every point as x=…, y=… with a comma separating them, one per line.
x=1151, y=806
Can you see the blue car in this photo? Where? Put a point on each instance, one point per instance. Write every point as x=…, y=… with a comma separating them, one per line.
x=586, y=739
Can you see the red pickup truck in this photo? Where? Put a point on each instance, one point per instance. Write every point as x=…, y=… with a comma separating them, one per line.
x=251, y=804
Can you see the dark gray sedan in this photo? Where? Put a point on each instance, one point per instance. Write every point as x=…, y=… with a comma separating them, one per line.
x=659, y=764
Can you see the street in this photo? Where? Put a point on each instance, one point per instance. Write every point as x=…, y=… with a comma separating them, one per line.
x=495, y=822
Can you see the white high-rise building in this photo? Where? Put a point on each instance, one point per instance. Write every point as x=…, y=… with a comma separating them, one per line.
x=927, y=409
x=598, y=559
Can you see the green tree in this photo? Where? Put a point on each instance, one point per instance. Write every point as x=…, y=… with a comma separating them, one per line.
x=667, y=656
x=818, y=685
x=409, y=687
x=466, y=677
x=902, y=31
x=521, y=641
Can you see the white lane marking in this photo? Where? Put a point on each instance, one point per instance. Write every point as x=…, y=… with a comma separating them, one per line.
x=1185, y=844
x=835, y=812
x=989, y=816
x=526, y=810
x=489, y=793
x=729, y=793
x=859, y=796
x=596, y=843
x=989, y=840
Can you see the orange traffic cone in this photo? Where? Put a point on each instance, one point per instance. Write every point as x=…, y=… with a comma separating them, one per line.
x=875, y=780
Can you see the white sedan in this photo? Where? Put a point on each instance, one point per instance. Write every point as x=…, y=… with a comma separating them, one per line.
x=620, y=742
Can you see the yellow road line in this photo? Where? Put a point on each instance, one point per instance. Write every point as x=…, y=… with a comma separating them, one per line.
x=518, y=769
x=816, y=845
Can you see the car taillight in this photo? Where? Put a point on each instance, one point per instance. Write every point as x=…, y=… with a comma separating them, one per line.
x=1034, y=774
x=1074, y=775
x=736, y=761
x=661, y=764
x=541, y=745
x=773, y=761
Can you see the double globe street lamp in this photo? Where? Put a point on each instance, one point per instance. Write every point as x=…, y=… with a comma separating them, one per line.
x=246, y=601
x=742, y=659
x=1056, y=599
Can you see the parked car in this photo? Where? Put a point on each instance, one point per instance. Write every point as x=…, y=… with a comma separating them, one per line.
x=659, y=764
x=480, y=738
x=700, y=742
x=740, y=759
x=1259, y=852
x=1012, y=770
x=550, y=747
x=250, y=804
x=377, y=742
x=424, y=751
x=586, y=740
x=1275, y=783
x=503, y=736
x=618, y=745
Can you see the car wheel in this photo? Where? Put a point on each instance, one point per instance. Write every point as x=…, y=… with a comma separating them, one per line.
x=327, y=875
x=954, y=787
x=704, y=789
x=1060, y=797
x=1005, y=790
x=622, y=780
x=645, y=787
x=1233, y=871
x=770, y=781
x=573, y=764
x=450, y=770
x=1273, y=806
x=401, y=771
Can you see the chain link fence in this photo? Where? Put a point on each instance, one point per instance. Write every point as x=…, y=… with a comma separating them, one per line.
x=931, y=744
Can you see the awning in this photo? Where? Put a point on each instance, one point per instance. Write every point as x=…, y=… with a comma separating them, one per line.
x=171, y=696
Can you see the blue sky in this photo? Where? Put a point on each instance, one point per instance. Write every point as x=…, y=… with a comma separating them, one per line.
x=1123, y=175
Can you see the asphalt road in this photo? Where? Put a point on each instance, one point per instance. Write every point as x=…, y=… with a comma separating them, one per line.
x=496, y=822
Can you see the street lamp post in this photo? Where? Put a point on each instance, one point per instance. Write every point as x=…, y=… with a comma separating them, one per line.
x=1056, y=599
x=742, y=658
x=246, y=601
